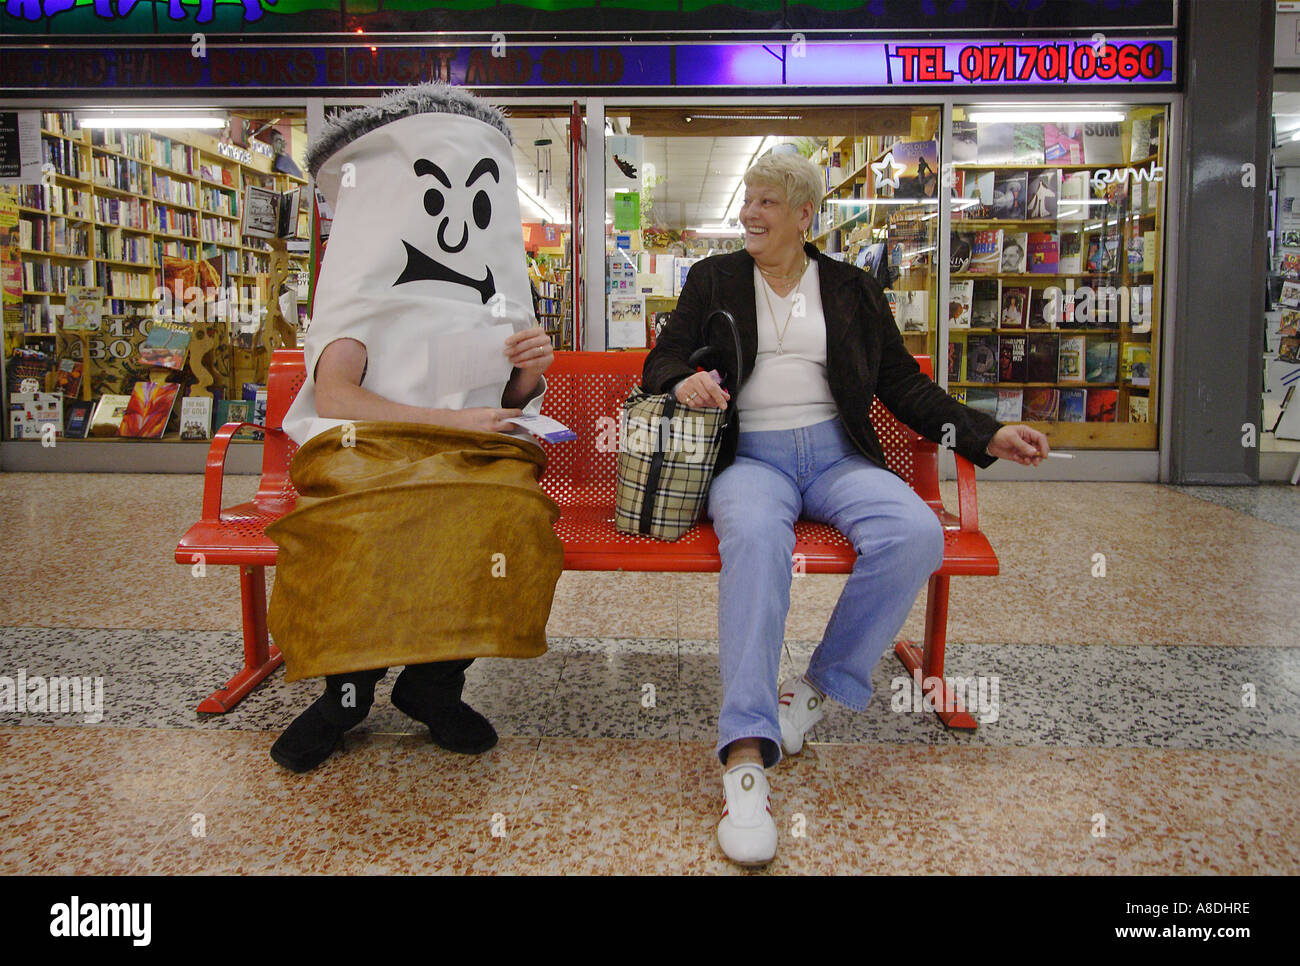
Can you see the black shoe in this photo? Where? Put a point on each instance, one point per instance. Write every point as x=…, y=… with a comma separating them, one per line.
x=309, y=740
x=457, y=728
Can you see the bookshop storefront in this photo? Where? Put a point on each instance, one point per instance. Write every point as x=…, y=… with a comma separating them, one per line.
x=1015, y=199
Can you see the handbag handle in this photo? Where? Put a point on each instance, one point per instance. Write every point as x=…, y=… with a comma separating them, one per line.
x=698, y=357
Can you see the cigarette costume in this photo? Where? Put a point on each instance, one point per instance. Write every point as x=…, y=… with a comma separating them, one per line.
x=412, y=543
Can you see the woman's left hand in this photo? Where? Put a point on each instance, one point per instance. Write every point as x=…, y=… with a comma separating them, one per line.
x=530, y=350
x=1020, y=444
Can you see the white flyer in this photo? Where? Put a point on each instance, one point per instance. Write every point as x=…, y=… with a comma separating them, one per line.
x=469, y=359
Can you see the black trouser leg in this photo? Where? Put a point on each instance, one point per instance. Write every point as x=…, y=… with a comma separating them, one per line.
x=349, y=696
x=435, y=685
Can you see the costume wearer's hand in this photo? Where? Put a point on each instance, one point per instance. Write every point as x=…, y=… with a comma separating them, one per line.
x=702, y=392
x=1020, y=444
x=483, y=419
x=530, y=350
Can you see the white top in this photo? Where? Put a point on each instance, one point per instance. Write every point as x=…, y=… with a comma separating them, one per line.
x=788, y=389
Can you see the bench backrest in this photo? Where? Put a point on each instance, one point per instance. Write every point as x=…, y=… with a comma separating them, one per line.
x=585, y=391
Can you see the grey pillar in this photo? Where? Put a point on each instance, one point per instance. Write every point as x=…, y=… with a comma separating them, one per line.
x=1218, y=322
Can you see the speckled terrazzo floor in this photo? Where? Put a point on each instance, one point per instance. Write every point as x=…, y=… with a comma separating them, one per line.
x=1127, y=695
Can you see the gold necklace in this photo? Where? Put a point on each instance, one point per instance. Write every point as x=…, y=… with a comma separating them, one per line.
x=780, y=336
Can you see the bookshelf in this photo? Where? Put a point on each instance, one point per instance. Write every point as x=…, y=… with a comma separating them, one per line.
x=112, y=206
x=1077, y=243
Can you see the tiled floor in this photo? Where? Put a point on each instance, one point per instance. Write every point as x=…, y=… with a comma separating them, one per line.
x=1159, y=703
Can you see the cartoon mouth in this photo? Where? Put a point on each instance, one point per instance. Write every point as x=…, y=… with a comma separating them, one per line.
x=420, y=267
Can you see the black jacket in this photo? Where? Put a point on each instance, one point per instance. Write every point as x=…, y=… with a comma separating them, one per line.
x=865, y=355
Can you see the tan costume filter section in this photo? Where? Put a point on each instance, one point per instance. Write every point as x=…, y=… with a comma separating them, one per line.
x=411, y=544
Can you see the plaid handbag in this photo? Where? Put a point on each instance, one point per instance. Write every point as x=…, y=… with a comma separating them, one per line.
x=666, y=460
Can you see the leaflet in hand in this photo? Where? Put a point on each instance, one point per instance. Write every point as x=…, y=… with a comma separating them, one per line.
x=544, y=427
x=470, y=359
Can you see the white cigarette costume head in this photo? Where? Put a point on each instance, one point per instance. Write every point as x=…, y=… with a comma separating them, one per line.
x=426, y=241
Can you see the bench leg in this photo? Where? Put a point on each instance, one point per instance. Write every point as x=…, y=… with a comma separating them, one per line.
x=260, y=657
x=929, y=660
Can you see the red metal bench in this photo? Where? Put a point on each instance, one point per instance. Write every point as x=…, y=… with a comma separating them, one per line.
x=585, y=391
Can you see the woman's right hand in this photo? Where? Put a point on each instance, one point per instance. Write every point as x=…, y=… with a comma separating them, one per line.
x=702, y=392
x=479, y=419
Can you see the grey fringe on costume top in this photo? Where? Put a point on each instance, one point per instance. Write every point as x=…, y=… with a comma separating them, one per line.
x=434, y=97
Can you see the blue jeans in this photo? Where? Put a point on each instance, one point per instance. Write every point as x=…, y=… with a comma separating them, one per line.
x=818, y=473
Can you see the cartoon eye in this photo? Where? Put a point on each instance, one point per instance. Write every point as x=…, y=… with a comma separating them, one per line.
x=482, y=209
x=433, y=201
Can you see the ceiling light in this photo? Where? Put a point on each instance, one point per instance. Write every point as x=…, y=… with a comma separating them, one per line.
x=1040, y=115
x=152, y=121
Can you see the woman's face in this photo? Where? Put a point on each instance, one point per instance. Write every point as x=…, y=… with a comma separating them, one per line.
x=773, y=230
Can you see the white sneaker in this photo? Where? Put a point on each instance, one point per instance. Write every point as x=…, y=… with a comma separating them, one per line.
x=747, y=832
x=802, y=706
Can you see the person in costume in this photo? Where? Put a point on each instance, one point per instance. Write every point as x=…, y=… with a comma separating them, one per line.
x=818, y=344
x=421, y=536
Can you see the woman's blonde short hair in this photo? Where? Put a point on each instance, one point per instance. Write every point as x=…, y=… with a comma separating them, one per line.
x=801, y=179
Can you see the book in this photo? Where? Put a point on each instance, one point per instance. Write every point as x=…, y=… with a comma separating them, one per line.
x=269, y=214
x=920, y=175
x=1290, y=265
x=986, y=252
x=1070, y=253
x=1012, y=358
x=960, y=247
x=960, y=295
x=1015, y=248
x=1044, y=308
x=983, y=400
x=957, y=357
x=1103, y=254
x=1289, y=323
x=1009, y=191
x=84, y=309
x=1136, y=249
x=981, y=357
x=1288, y=349
x=1044, y=252
x=1040, y=405
x=1027, y=143
x=67, y=379
x=1073, y=407
x=1010, y=402
x=166, y=345
x=1139, y=144
x=965, y=141
x=995, y=143
x=1062, y=144
x=1043, y=349
x=1139, y=409
x=109, y=413
x=234, y=411
x=196, y=417
x=76, y=418
x=911, y=310
x=975, y=191
x=1290, y=294
x=1044, y=189
x=1150, y=250
x=1069, y=359
x=1015, y=307
x=1101, y=405
x=959, y=395
x=1101, y=143
x=986, y=302
x=1102, y=363
x=1074, y=192
x=31, y=412
x=1135, y=364
x=149, y=409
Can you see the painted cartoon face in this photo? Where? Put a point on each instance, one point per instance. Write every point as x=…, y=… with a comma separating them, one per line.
x=453, y=228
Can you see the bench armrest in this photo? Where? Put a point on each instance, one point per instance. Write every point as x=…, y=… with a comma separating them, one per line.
x=968, y=511
x=215, y=471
